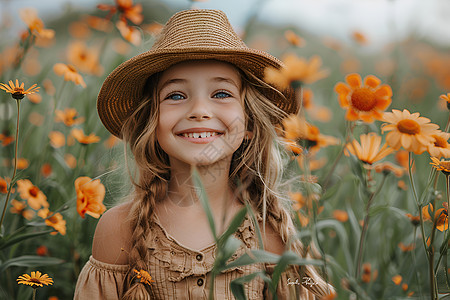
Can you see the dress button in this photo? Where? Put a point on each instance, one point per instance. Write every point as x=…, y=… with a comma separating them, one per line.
x=199, y=257
x=172, y=252
x=200, y=282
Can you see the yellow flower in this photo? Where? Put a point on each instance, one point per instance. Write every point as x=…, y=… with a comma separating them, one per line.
x=440, y=218
x=144, y=276
x=70, y=73
x=79, y=135
x=36, y=279
x=441, y=165
x=440, y=147
x=389, y=167
x=17, y=91
x=35, y=197
x=410, y=131
x=54, y=220
x=369, y=150
x=359, y=37
x=363, y=100
x=296, y=70
x=446, y=98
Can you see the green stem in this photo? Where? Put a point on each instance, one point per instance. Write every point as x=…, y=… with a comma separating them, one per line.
x=447, y=127
x=364, y=229
x=34, y=293
x=349, y=131
x=15, y=165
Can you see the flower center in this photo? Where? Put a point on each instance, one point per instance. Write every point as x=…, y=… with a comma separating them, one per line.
x=440, y=142
x=408, y=126
x=363, y=99
x=34, y=191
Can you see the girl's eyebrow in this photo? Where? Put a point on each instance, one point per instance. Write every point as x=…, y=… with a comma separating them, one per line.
x=172, y=81
x=225, y=79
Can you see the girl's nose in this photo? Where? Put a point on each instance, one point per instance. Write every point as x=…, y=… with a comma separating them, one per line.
x=199, y=110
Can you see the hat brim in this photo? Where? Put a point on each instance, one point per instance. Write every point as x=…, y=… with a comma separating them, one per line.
x=123, y=89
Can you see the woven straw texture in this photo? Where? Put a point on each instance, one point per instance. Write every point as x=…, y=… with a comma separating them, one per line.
x=188, y=35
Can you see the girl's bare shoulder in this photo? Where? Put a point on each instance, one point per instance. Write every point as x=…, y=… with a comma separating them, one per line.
x=112, y=236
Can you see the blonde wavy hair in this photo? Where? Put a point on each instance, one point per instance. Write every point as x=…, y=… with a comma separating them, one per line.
x=257, y=166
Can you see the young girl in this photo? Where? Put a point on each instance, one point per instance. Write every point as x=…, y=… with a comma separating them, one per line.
x=196, y=99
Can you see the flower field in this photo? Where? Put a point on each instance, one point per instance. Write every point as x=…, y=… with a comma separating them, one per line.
x=367, y=157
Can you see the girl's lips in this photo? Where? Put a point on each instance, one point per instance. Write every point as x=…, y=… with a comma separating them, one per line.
x=200, y=140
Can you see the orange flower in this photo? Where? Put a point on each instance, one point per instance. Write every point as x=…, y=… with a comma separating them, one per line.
x=127, y=11
x=70, y=73
x=340, y=215
x=415, y=220
x=367, y=274
x=144, y=276
x=79, y=30
x=90, y=195
x=18, y=207
x=57, y=139
x=6, y=139
x=68, y=117
x=441, y=165
x=70, y=160
x=299, y=200
x=397, y=279
x=297, y=70
x=34, y=196
x=54, y=220
x=304, y=220
x=405, y=287
x=293, y=147
x=293, y=38
x=359, y=37
x=440, y=147
x=22, y=163
x=402, y=185
x=35, y=25
x=298, y=130
x=389, y=167
x=446, y=98
x=84, y=59
x=369, y=150
x=402, y=157
x=111, y=141
x=42, y=251
x=440, y=216
x=406, y=248
x=3, y=186
x=99, y=24
x=364, y=101
x=17, y=91
x=49, y=87
x=410, y=131
x=36, y=119
x=35, y=98
x=129, y=33
x=46, y=170
x=78, y=134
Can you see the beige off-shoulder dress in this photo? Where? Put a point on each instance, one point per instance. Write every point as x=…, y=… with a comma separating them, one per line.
x=183, y=273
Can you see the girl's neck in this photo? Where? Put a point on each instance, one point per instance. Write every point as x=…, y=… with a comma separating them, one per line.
x=215, y=180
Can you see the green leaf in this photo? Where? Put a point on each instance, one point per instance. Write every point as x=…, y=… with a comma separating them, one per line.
x=235, y=223
x=343, y=238
x=255, y=221
x=254, y=256
x=200, y=189
x=30, y=261
x=441, y=279
x=226, y=251
x=16, y=239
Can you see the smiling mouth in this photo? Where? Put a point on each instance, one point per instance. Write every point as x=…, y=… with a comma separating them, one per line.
x=200, y=135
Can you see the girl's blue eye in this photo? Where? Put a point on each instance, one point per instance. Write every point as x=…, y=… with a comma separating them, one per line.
x=222, y=95
x=175, y=97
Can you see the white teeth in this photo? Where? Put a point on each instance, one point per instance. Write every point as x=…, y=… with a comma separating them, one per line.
x=199, y=134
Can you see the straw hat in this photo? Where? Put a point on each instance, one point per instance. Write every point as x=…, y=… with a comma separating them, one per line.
x=188, y=35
